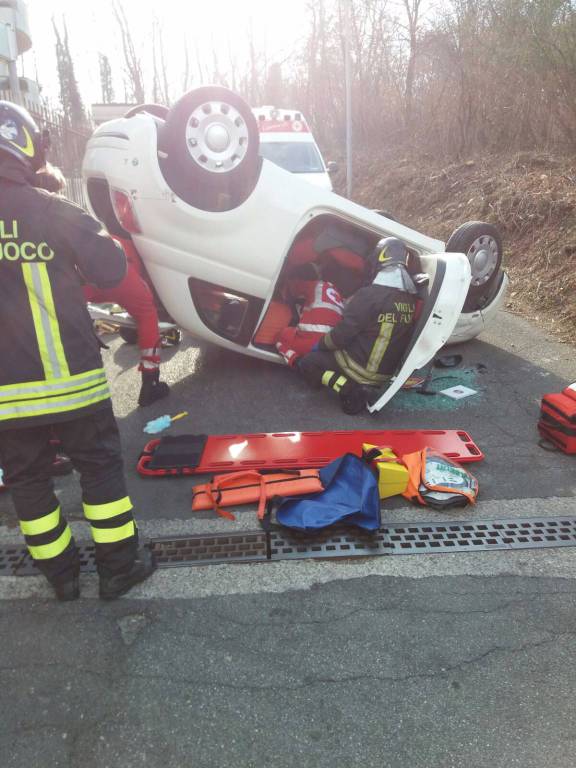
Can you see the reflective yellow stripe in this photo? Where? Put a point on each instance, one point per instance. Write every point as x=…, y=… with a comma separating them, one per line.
x=356, y=372
x=33, y=389
x=42, y=525
x=112, y=535
x=107, y=511
x=380, y=346
x=47, y=551
x=53, y=320
x=339, y=383
x=50, y=405
x=326, y=376
x=45, y=356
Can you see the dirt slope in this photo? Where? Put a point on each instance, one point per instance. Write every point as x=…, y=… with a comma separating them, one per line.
x=530, y=197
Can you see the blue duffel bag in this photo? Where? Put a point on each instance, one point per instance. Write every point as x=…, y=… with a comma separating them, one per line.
x=350, y=496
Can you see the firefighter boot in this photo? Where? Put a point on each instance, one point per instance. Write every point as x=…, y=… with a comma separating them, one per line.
x=352, y=397
x=67, y=590
x=152, y=388
x=66, y=585
x=112, y=587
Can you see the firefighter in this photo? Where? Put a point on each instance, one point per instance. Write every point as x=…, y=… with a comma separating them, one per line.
x=133, y=294
x=52, y=382
x=364, y=349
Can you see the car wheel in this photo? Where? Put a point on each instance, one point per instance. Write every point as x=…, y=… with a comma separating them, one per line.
x=208, y=149
x=482, y=245
x=129, y=335
x=158, y=110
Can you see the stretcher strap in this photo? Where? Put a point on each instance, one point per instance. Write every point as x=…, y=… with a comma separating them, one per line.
x=215, y=488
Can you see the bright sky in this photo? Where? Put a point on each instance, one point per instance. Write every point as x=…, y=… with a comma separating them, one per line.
x=209, y=26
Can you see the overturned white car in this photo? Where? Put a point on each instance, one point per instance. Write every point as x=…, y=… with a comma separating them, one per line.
x=217, y=228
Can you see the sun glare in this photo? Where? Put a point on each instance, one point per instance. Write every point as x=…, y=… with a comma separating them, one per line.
x=216, y=35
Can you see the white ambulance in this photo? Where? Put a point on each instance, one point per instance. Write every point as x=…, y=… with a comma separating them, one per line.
x=287, y=141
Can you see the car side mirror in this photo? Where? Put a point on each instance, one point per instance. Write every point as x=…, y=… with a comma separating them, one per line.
x=332, y=167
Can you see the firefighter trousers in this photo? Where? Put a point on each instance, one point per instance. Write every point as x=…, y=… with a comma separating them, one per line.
x=319, y=367
x=93, y=444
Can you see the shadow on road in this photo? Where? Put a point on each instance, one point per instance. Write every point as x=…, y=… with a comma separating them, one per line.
x=228, y=393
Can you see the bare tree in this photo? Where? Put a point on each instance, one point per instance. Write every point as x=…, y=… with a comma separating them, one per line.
x=163, y=66
x=132, y=62
x=70, y=98
x=106, y=85
x=160, y=89
x=186, y=71
x=412, y=8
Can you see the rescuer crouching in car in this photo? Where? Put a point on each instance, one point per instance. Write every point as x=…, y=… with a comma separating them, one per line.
x=364, y=349
x=318, y=288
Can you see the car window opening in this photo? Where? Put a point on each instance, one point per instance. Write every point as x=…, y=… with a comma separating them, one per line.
x=301, y=157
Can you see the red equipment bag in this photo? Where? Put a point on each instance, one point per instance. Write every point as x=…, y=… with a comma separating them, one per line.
x=557, y=423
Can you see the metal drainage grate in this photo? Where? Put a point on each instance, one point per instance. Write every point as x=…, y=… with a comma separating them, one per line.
x=27, y=567
x=215, y=548
x=170, y=553
x=426, y=538
x=10, y=558
x=401, y=539
x=335, y=542
x=529, y=533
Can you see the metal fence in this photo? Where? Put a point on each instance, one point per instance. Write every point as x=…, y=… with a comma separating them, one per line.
x=67, y=143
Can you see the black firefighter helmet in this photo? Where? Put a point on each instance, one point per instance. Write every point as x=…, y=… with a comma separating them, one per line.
x=389, y=252
x=21, y=137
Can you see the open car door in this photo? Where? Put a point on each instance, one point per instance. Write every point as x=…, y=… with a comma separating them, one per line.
x=449, y=278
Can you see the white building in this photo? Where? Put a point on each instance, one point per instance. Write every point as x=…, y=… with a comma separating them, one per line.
x=16, y=39
x=101, y=113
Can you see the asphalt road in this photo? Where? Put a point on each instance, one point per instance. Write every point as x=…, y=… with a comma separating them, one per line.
x=441, y=661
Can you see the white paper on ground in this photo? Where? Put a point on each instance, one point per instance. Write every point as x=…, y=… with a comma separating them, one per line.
x=458, y=392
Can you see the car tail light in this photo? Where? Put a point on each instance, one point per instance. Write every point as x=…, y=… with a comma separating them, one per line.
x=229, y=314
x=124, y=210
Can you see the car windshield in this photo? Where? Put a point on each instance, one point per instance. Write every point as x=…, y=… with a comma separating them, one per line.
x=296, y=157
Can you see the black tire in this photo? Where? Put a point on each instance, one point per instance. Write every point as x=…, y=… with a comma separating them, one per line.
x=158, y=110
x=481, y=243
x=129, y=335
x=387, y=215
x=208, y=149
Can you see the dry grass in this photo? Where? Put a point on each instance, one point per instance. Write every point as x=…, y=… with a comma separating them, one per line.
x=530, y=197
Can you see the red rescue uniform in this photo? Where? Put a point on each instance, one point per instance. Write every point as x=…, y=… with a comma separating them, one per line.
x=135, y=296
x=322, y=310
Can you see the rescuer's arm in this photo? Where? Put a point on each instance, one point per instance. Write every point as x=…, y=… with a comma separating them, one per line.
x=355, y=318
x=100, y=260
